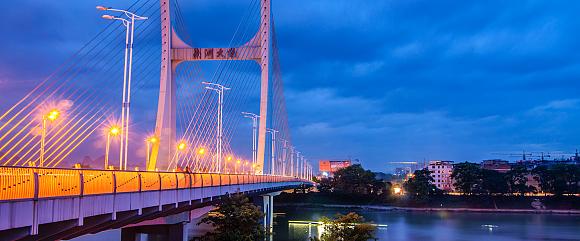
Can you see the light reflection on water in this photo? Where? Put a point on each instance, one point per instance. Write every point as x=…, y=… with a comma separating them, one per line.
x=440, y=226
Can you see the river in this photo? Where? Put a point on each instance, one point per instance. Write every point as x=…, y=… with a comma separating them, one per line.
x=438, y=226
x=428, y=226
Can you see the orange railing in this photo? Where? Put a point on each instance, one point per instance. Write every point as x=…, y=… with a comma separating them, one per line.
x=35, y=183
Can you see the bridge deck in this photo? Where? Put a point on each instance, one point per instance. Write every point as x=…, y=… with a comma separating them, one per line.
x=30, y=197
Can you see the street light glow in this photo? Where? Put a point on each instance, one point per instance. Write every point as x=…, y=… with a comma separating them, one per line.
x=229, y=158
x=114, y=130
x=53, y=114
x=201, y=151
x=181, y=146
x=152, y=139
x=397, y=190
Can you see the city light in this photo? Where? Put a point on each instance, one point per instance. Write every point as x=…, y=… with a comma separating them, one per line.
x=201, y=151
x=152, y=139
x=397, y=190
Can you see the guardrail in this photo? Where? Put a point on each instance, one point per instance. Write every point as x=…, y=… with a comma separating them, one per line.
x=18, y=183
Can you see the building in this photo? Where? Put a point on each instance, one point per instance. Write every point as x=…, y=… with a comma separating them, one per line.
x=441, y=173
x=496, y=165
x=402, y=171
x=327, y=167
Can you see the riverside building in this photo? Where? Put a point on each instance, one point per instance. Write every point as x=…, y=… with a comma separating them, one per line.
x=441, y=174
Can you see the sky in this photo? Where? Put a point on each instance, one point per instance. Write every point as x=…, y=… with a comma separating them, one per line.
x=377, y=80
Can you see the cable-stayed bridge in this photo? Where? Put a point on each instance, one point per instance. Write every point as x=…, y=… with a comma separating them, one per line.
x=172, y=126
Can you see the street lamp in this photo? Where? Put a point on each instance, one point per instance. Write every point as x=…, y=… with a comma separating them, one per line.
x=236, y=167
x=200, y=152
x=254, y=118
x=181, y=146
x=129, y=24
x=291, y=161
x=220, y=90
x=273, y=152
x=297, y=173
x=50, y=116
x=150, y=141
x=284, y=154
x=112, y=131
x=228, y=159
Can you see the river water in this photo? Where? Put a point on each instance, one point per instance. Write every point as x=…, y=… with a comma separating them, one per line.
x=438, y=226
x=429, y=226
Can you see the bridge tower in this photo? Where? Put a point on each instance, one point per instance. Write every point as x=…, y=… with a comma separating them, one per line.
x=176, y=51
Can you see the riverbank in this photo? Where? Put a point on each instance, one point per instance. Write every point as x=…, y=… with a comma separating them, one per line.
x=451, y=203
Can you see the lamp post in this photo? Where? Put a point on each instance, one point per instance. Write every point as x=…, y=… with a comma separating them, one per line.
x=297, y=173
x=180, y=147
x=51, y=116
x=127, y=72
x=273, y=152
x=150, y=141
x=228, y=160
x=284, y=153
x=220, y=90
x=200, y=153
x=112, y=131
x=304, y=166
x=291, y=161
x=254, y=118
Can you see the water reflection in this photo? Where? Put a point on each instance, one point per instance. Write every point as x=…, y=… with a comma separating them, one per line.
x=437, y=226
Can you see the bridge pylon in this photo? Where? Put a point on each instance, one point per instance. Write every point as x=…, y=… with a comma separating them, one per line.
x=175, y=51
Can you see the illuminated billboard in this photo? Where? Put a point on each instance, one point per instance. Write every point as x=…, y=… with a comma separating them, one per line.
x=331, y=166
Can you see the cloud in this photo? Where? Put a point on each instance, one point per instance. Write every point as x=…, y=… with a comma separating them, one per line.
x=556, y=105
x=379, y=80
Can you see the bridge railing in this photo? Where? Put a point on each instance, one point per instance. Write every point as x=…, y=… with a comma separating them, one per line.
x=21, y=183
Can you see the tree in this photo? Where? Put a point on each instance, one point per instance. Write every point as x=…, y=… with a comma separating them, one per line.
x=236, y=219
x=518, y=181
x=350, y=227
x=493, y=182
x=355, y=180
x=467, y=178
x=558, y=179
x=421, y=186
x=325, y=185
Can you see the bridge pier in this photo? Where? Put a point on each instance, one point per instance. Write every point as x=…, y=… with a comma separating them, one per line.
x=169, y=232
x=268, y=209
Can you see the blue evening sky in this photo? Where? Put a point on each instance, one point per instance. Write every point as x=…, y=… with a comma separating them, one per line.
x=377, y=80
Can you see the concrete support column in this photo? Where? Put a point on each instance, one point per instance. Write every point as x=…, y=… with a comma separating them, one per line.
x=268, y=209
x=268, y=212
